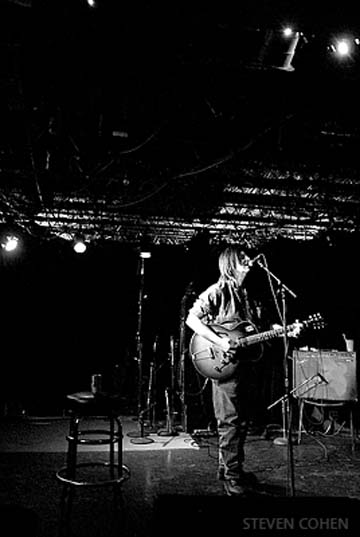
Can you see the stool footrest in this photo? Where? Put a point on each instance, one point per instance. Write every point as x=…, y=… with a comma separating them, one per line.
x=95, y=441
x=61, y=475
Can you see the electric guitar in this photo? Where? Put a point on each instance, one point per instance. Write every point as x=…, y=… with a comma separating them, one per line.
x=246, y=345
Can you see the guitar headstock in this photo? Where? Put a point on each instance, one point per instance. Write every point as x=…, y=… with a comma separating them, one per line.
x=316, y=321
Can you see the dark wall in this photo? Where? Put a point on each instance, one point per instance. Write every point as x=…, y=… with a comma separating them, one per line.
x=64, y=316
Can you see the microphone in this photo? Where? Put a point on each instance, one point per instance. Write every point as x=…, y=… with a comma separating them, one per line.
x=252, y=262
x=323, y=379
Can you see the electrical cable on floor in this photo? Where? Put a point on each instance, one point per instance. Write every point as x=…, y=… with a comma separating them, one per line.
x=207, y=443
x=326, y=451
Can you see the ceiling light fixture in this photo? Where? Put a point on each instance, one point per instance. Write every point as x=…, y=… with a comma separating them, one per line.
x=145, y=254
x=79, y=246
x=288, y=32
x=10, y=242
x=343, y=47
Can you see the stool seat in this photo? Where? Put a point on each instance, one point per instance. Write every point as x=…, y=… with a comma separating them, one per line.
x=103, y=402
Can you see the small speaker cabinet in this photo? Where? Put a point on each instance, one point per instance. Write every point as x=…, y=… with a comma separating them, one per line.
x=325, y=375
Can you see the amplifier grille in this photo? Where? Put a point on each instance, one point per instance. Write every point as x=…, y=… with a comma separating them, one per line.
x=325, y=375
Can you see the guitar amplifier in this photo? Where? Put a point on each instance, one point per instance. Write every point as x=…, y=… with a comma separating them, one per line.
x=325, y=375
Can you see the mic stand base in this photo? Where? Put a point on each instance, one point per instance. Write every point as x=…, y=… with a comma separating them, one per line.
x=150, y=429
x=164, y=432
x=141, y=440
x=139, y=437
x=280, y=441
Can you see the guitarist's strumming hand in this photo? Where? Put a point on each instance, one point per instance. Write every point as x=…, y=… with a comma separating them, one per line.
x=227, y=345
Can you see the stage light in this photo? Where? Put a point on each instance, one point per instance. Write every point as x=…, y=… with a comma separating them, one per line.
x=79, y=246
x=288, y=32
x=145, y=254
x=278, y=48
x=10, y=242
x=343, y=47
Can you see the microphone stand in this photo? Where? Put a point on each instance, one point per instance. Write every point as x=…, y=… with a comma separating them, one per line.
x=169, y=401
x=285, y=401
x=151, y=395
x=182, y=366
x=139, y=437
x=188, y=296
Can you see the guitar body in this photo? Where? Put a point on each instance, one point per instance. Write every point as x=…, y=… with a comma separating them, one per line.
x=212, y=362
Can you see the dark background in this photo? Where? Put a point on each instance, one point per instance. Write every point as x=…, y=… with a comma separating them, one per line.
x=182, y=73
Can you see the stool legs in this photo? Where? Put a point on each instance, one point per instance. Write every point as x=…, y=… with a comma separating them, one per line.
x=118, y=473
x=73, y=439
x=67, y=494
x=119, y=447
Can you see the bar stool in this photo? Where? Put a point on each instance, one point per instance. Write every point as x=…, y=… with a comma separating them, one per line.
x=81, y=406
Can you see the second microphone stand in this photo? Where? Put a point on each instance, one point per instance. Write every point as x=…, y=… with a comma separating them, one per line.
x=170, y=429
x=139, y=437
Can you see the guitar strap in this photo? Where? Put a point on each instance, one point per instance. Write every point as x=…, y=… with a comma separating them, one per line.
x=244, y=303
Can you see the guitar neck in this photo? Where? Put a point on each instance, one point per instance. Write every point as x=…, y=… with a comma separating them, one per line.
x=262, y=336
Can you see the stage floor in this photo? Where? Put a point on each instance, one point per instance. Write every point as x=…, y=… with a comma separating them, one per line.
x=176, y=476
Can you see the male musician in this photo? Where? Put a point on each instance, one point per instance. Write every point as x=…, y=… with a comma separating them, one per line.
x=226, y=302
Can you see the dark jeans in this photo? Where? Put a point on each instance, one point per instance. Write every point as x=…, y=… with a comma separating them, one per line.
x=230, y=400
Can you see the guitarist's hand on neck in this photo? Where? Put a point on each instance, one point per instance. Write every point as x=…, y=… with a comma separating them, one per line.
x=293, y=331
x=296, y=328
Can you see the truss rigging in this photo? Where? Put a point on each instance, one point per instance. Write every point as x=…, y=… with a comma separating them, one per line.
x=257, y=202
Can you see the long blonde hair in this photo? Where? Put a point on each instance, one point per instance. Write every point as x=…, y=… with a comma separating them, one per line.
x=229, y=259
